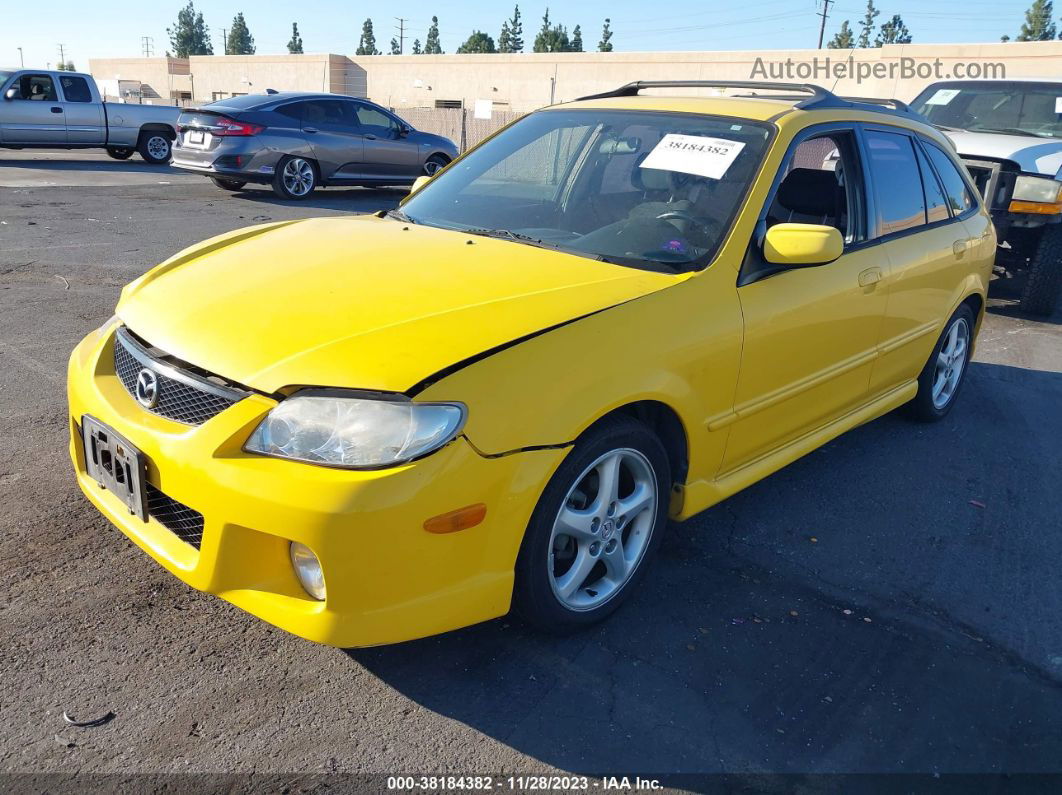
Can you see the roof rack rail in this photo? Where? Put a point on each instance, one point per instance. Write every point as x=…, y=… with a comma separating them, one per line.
x=895, y=104
x=818, y=96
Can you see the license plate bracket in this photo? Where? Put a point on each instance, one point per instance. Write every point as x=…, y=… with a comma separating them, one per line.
x=115, y=464
x=196, y=137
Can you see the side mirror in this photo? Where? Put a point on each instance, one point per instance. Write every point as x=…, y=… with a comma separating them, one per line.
x=403, y=131
x=419, y=183
x=802, y=244
x=11, y=93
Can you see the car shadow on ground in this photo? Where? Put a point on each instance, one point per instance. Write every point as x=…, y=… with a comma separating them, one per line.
x=108, y=165
x=857, y=611
x=351, y=199
x=1007, y=297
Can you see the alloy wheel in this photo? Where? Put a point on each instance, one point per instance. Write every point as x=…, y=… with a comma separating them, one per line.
x=951, y=361
x=432, y=167
x=298, y=176
x=602, y=529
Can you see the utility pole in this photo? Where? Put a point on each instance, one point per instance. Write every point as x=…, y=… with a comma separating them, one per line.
x=147, y=46
x=21, y=60
x=225, y=40
x=824, y=13
x=401, y=34
x=62, y=58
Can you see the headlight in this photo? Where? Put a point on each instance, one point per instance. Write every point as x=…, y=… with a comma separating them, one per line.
x=356, y=432
x=1036, y=189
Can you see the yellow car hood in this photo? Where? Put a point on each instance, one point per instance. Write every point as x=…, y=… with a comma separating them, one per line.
x=361, y=301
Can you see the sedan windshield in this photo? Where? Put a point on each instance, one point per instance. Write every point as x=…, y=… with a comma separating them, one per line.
x=647, y=189
x=1015, y=107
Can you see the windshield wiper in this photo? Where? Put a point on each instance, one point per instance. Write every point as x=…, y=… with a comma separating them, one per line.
x=519, y=237
x=1012, y=131
x=398, y=215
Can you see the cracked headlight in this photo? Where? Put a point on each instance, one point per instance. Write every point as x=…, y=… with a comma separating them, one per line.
x=325, y=427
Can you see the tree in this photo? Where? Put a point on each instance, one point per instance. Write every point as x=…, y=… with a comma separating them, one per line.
x=240, y=41
x=1039, y=24
x=396, y=48
x=477, y=42
x=893, y=32
x=844, y=39
x=516, y=32
x=295, y=45
x=416, y=47
x=190, y=35
x=367, y=45
x=867, y=25
x=605, y=45
x=431, y=43
x=1004, y=38
x=551, y=38
x=505, y=39
x=65, y=67
x=577, y=39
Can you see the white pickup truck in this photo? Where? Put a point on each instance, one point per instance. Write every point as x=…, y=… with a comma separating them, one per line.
x=1009, y=134
x=63, y=110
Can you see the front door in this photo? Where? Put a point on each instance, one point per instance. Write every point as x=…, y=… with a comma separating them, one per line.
x=811, y=333
x=388, y=153
x=34, y=115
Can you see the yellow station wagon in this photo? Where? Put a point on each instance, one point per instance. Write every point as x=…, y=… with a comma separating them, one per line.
x=614, y=311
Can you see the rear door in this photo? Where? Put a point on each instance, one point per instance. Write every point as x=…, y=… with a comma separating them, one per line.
x=84, y=117
x=34, y=115
x=332, y=132
x=388, y=153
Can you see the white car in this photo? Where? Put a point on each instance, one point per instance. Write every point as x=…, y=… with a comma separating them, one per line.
x=1009, y=134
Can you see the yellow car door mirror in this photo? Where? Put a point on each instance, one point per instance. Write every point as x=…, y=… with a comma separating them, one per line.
x=802, y=244
x=419, y=183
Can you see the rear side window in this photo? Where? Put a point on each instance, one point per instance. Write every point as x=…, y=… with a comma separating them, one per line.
x=327, y=113
x=897, y=181
x=75, y=89
x=292, y=111
x=959, y=196
x=936, y=203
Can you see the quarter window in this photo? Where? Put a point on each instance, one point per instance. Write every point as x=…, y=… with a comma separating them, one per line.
x=936, y=204
x=897, y=182
x=959, y=196
x=75, y=89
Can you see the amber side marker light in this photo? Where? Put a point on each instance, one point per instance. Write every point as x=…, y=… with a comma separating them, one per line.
x=461, y=519
x=1040, y=208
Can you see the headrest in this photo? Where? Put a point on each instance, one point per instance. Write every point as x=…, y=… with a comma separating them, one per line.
x=651, y=178
x=809, y=191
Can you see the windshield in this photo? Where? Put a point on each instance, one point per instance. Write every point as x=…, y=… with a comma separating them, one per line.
x=647, y=189
x=4, y=75
x=1016, y=107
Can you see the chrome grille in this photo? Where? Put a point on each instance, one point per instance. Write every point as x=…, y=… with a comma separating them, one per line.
x=178, y=518
x=181, y=394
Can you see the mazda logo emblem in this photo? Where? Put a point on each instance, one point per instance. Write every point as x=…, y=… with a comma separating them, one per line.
x=147, y=389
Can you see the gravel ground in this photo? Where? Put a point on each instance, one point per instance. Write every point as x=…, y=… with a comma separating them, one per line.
x=889, y=603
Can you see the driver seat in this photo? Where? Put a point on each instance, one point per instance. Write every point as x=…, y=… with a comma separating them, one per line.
x=659, y=196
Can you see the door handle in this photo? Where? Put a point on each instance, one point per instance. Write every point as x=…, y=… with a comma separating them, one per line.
x=371, y=137
x=57, y=110
x=309, y=129
x=869, y=276
x=958, y=248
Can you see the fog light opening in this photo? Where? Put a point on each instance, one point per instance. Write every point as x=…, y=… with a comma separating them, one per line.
x=308, y=570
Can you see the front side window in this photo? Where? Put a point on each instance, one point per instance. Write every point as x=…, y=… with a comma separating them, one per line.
x=373, y=121
x=959, y=197
x=897, y=181
x=645, y=189
x=39, y=88
x=75, y=89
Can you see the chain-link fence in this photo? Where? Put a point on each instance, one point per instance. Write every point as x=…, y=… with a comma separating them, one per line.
x=458, y=124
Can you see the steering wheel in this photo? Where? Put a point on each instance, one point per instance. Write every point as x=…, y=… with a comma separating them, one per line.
x=707, y=225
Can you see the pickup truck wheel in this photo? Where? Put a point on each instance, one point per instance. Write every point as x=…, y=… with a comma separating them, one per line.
x=595, y=529
x=295, y=178
x=154, y=147
x=945, y=372
x=1044, y=279
x=228, y=184
x=120, y=152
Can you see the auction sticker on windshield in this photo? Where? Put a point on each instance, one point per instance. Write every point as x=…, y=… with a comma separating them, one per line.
x=693, y=154
x=943, y=96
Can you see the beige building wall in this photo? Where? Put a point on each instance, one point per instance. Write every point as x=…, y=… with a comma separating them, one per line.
x=530, y=80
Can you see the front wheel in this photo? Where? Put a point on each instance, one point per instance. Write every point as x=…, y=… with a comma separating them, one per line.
x=295, y=178
x=595, y=529
x=154, y=147
x=228, y=184
x=120, y=152
x=434, y=164
x=944, y=373
x=1044, y=279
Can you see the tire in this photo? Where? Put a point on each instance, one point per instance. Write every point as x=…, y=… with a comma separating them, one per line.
x=155, y=147
x=434, y=164
x=1044, y=279
x=295, y=178
x=228, y=184
x=120, y=152
x=945, y=372
x=563, y=583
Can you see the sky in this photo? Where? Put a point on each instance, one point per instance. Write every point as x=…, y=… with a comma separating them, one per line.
x=113, y=28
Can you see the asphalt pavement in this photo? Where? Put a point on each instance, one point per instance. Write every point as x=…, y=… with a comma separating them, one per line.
x=890, y=603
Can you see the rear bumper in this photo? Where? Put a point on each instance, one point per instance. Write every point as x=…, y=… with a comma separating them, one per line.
x=387, y=579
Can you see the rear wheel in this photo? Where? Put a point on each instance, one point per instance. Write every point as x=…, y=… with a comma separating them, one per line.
x=120, y=152
x=1044, y=279
x=154, y=147
x=595, y=529
x=295, y=178
x=228, y=184
x=434, y=164
x=944, y=373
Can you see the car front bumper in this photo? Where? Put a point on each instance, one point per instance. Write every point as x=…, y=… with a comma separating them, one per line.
x=387, y=578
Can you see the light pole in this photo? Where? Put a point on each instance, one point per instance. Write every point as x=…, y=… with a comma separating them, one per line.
x=21, y=60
